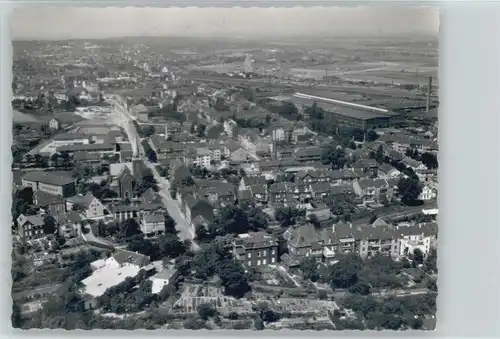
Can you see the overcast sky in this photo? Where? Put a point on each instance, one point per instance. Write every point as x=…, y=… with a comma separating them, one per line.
x=78, y=22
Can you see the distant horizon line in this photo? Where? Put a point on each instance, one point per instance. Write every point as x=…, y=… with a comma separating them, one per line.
x=248, y=38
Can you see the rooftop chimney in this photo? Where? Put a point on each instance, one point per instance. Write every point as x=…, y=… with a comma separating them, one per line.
x=429, y=88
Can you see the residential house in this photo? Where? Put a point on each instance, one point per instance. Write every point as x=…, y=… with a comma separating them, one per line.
x=386, y=171
x=152, y=224
x=415, y=165
x=278, y=193
x=248, y=181
x=221, y=193
x=54, y=124
x=374, y=190
x=162, y=279
x=203, y=157
x=259, y=193
x=254, y=144
x=256, y=249
x=419, y=236
x=336, y=177
x=151, y=202
x=306, y=241
x=30, y=227
x=231, y=128
x=394, y=155
x=427, y=193
x=50, y=182
x=68, y=224
x=51, y=204
x=193, y=207
x=91, y=207
x=320, y=191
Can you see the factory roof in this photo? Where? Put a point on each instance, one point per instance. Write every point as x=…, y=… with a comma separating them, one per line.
x=340, y=107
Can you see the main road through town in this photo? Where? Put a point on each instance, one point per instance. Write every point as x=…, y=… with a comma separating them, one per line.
x=122, y=117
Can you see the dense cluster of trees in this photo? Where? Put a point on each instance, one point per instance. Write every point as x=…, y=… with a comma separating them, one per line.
x=288, y=216
x=21, y=201
x=168, y=245
x=392, y=313
x=214, y=259
x=409, y=190
x=334, y=156
x=233, y=220
x=125, y=297
x=351, y=272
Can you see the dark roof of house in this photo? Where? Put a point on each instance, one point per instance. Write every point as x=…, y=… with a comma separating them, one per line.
x=378, y=183
x=258, y=189
x=68, y=217
x=303, y=236
x=154, y=218
x=181, y=172
x=320, y=187
x=123, y=256
x=35, y=219
x=82, y=200
x=245, y=195
x=51, y=178
x=257, y=180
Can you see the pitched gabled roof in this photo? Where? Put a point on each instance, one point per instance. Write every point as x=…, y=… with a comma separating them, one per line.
x=35, y=219
x=154, y=218
x=82, y=200
x=123, y=256
x=304, y=236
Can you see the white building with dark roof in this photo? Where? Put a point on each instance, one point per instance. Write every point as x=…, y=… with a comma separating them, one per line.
x=113, y=270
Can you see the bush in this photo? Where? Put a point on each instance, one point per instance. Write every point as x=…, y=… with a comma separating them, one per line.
x=206, y=311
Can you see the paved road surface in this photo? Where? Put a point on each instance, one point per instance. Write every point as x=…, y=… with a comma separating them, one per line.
x=122, y=117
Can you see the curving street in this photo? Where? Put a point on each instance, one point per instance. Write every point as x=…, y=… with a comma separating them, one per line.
x=122, y=117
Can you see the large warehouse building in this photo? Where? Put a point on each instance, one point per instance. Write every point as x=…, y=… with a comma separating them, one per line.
x=346, y=113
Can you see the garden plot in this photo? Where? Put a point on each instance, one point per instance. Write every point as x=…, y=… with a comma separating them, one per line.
x=194, y=295
x=295, y=305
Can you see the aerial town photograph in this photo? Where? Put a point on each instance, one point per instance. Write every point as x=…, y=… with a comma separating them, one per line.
x=224, y=168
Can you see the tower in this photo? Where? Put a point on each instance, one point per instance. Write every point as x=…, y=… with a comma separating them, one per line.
x=137, y=162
